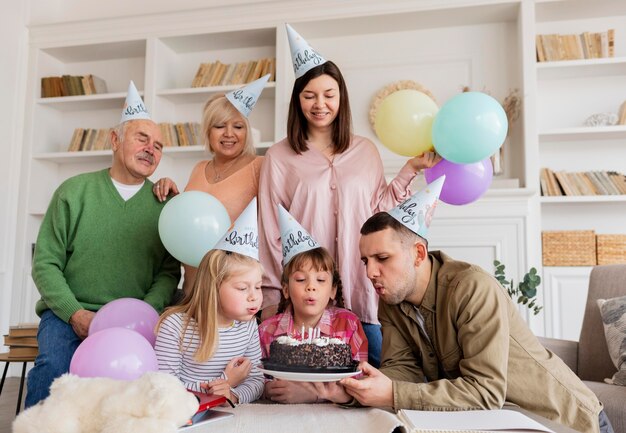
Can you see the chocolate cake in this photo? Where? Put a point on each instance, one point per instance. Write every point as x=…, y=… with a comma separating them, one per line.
x=321, y=352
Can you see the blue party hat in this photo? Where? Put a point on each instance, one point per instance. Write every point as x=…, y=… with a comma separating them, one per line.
x=294, y=238
x=303, y=56
x=245, y=99
x=417, y=211
x=134, y=108
x=243, y=237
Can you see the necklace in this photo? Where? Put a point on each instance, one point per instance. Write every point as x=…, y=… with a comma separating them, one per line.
x=217, y=176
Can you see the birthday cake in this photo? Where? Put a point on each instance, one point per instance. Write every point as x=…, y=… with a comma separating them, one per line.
x=318, y=353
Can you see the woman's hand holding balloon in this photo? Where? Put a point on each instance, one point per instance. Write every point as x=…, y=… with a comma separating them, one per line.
x=425, y=160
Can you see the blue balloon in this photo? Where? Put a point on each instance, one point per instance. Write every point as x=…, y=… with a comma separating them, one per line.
x=190, y=225
x=469, y=127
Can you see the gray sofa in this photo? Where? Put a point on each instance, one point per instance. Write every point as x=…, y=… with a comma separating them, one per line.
x=589, y=357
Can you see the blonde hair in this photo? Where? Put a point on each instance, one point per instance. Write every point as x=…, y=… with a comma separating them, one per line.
x=320, y=260
x=218, y=110
x=199, y=305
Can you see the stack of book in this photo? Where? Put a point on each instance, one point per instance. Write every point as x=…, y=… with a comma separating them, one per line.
x=89, y=139
x=181, y=134
x=220, y=74
x=22, y=340
x=68, y=85
x=559, y=183
x=587, y=45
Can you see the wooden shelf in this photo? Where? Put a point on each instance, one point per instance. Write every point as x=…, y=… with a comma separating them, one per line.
x=583, y=199
x=584, y=133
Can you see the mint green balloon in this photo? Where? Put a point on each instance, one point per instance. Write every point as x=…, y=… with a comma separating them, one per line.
x=190, y=225
x=469, y=128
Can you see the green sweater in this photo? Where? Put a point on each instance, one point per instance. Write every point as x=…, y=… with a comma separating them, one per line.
x=94, y=247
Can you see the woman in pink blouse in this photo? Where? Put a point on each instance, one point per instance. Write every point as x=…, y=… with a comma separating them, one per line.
x=329, y=180
x=232, y=176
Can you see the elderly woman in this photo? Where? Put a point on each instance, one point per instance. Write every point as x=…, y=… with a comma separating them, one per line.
x=232, y=175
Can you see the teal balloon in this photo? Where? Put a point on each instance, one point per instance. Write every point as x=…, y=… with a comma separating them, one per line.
x=190, y=225
x=469, y=127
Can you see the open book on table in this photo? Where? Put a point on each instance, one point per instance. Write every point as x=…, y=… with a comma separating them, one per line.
x=474, y=421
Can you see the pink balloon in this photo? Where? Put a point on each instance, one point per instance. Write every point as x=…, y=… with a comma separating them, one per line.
x=464, y=183
x=117, y=353
x=129, y=313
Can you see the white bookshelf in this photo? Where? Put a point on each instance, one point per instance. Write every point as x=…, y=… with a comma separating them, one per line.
x=487, y=45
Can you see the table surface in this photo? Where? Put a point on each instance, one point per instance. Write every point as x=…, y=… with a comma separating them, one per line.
x=319, y=418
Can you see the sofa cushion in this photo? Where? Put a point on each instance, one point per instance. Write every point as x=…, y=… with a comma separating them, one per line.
x=613, y=312
x=613, y=398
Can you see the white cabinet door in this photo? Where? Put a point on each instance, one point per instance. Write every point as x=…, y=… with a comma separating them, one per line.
x=566, y=294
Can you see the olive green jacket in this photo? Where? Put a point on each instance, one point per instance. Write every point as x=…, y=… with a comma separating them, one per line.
x=482, y=353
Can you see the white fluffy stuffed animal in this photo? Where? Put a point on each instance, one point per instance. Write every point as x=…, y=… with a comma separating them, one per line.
x=154, y=403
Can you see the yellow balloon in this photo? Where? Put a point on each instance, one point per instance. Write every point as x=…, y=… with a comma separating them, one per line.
x=404, y=121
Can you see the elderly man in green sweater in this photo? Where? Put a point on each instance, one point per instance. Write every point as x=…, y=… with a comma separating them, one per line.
x=452, y=337
x=99, y=242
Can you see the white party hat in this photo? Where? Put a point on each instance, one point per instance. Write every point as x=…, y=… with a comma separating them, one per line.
x=303, y=56
x=134, y=108
x=417, y=211
x=294, y=238
x=244, y=99
x=243, y=237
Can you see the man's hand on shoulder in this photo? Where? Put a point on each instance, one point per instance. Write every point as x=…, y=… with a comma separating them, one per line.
x=374, y=389
x=80, y=322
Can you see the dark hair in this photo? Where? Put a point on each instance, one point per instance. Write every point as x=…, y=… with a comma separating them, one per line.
x=382, y=220
x=297, y=123
x=320, y=259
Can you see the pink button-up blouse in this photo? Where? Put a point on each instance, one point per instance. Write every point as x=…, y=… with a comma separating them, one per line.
x=331, y=200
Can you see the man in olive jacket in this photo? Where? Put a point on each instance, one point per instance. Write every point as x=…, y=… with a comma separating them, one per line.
x=454, y=340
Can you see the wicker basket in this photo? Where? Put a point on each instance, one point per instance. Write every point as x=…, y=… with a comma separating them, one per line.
x=611, y=249
x=569, y=248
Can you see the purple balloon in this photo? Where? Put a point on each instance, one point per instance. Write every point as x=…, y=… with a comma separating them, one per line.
x=464, y=183
x=129, y=313
x=117, y=353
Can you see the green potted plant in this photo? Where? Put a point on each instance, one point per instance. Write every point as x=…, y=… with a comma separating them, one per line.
x=525, y=292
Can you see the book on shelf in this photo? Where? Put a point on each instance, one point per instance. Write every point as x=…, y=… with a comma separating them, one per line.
x=72, y=85
x=220, y=74
x=587, y=45
x=89, y=139
x=476, y=421
x=557, y=183
x=23, y=330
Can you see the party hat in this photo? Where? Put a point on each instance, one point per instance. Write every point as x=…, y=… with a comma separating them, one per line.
x=245, y=98
x=294, y=237
x=416, y=212
x=303, y=56
x=243, y=237
x=134, y=108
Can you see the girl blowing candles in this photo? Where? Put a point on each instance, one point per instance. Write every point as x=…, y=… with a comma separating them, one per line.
x=210, y=340
x=311, y=298
x=330, y=180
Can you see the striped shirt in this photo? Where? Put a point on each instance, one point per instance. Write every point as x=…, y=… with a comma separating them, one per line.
x=241, y=339
x=335, y=322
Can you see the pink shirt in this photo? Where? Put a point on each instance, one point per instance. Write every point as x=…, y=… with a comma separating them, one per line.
x=331, y=200
x=234, y=192
x=335, y=322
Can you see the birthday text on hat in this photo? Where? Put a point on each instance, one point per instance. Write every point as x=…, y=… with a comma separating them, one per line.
x=408, y=209
x=305, y=57
x=247, y=100
x=134, y=109
x=292, y=241
x=249, y=238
